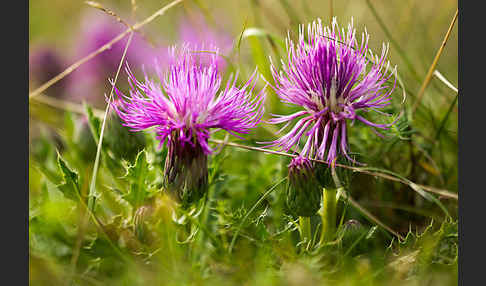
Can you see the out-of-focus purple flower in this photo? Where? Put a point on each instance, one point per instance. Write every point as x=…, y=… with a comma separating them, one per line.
x=44, y=64
x=91, y=79
x=329, y=75
x=183, y=109
x=196, y=32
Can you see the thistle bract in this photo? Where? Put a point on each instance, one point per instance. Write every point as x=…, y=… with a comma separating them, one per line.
x=329, y=75
x=325, y=178
x=183, y=109
x=186, y=171
x=303, y=191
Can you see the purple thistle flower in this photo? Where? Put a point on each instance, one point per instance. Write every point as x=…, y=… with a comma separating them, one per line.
x=183, y=109
x=329, y=75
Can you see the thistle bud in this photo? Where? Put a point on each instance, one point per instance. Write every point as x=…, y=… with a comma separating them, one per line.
x=303, y=191
x=352, y=230
x=186, y=171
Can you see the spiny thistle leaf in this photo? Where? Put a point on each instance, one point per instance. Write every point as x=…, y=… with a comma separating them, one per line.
x=410, y=240
x=445, y=242
x=139, y=175
x=70, y=185
x=439, y=247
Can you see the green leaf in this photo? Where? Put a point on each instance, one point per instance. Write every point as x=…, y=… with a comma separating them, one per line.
x=94, y=123
x=259, y=55
x=139, y=176
x=70, y=186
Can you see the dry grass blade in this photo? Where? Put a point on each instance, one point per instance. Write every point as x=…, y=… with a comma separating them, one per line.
x=428, y=77
x=134, y=6
x=371, y=217
x=91, y=195
x=119, y=19
x=445, y=81
x=331, y=10
x=64, y=105
x=437, y=191
x=429, y=189
x=105, y=47
x=107, y=11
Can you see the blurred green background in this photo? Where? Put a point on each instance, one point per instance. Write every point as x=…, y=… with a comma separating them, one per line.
x=265, y=252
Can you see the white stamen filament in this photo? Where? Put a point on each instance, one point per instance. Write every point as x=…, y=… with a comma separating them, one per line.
x=332, y=96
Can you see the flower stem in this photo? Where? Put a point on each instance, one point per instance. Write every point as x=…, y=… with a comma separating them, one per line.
x=305, y=229
x=328, y=214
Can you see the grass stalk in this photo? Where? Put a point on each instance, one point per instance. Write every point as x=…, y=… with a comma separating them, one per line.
x=91, y=194
x=305, y=230
x=393, y=41
x=430, y=73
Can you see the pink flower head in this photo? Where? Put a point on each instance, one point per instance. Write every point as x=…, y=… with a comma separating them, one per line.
x=329, y=75
x=190, y=101
x=183, y=109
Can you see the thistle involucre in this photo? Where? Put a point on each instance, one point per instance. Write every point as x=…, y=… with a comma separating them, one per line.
x=183, y=109
x=329, y=75
x=303, y=192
